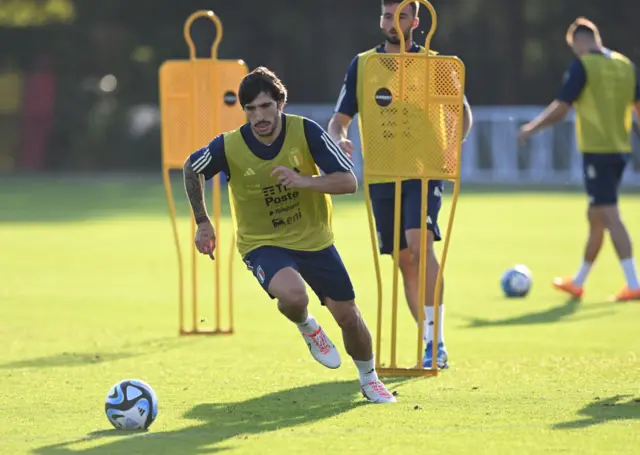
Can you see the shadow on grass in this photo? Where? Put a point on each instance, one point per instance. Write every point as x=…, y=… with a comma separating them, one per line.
x=76, y=359
x=556, y=314
x=221, y=424
x=619, y=407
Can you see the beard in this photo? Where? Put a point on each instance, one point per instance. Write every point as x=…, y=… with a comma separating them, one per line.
x=266, y=133
x=395, y=39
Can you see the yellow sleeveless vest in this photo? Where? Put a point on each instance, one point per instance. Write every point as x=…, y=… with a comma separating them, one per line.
x=267, y=214
x=604, y=108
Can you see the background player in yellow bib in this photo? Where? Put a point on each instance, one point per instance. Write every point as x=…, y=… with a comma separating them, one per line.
x=282, y=209
x=603, y=86
x=382, y=194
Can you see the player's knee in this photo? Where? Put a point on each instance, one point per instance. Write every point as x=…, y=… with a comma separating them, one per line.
x=603, y=217
x=611, y=216
x=414, y=251
x=415, y=255
x=596, y=218
x=293, y=298
x=406, y=263
x=347, y=315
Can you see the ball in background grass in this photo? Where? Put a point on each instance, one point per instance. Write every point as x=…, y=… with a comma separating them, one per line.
x=516, y=282
x=131, y=404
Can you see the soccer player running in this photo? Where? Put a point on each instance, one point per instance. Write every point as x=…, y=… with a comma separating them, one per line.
x=382, y=194
x=282, y=208
x=602, y=85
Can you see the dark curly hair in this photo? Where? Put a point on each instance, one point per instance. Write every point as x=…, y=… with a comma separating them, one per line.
x=261, y=80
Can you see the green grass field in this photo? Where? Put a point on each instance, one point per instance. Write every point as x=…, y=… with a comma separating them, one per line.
x=88, y=296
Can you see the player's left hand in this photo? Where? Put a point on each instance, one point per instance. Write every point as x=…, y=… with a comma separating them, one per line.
x=290, y=178
x=524, y=134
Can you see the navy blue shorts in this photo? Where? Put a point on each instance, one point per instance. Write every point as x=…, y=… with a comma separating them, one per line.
x=602, y=176
x=323, y=270
x=383, y=212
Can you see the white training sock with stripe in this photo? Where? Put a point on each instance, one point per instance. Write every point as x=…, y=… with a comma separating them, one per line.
x=309, y=326
x=582, y=274
x=367, y=370
x=630, y=273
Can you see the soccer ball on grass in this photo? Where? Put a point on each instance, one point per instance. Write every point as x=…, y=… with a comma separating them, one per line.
x=131, y=404
x=516, y=282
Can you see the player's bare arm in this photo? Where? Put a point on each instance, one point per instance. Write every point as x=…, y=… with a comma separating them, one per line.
x=338, y=130
x=334, y=183
x=205, y=235
x=345, y=111
x=193, y=185
x=467, y=119
x=554, y=113
x=572, y=86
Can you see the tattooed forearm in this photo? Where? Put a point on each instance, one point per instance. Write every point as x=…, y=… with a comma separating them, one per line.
x=194, y=187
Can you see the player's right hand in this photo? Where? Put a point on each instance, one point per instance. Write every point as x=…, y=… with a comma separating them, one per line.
x=206, y=238
x=346, y=146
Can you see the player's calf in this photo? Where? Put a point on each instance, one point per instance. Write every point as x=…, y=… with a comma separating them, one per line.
x=618, y=232
x=622, y=242
x=574, y=286
x=358, y=344
x=289, y=288
x=597, y=227
x=410, y=280
x=356, y=335
x=433, y=268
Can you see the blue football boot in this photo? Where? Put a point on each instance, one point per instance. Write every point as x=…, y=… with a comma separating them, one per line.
x=443, y=356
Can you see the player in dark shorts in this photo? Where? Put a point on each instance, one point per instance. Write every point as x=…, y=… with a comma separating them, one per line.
x=603, y=86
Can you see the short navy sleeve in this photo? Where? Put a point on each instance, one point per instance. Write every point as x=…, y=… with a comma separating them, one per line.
x=575, y=78
x=325, y=152
x=637, y=85
x=210, y=160
x=347, y=100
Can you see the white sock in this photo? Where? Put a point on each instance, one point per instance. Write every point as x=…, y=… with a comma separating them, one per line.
x=425, y=330
x=582, y=274
x=367, y=370
x=630, y=273
x=308, y=326
x=428, y=324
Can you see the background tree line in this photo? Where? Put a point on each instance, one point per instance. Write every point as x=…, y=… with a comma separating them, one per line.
x=514, y=52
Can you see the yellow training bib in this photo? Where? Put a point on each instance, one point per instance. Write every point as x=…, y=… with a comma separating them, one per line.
x=266, y=213
x=604, y=108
